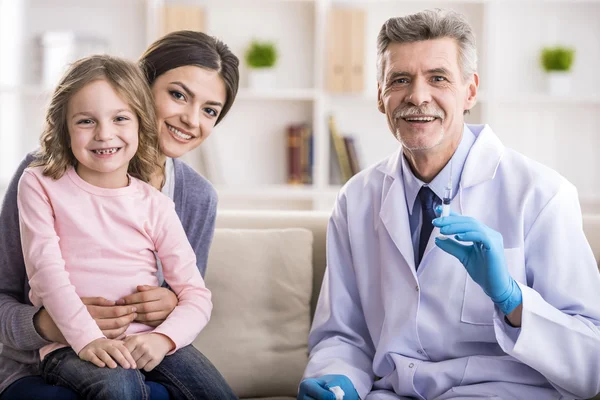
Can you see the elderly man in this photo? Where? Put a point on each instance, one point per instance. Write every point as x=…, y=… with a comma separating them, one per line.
x=502, y=300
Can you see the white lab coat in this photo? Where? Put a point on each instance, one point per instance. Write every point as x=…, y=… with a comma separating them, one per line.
x=433, y=333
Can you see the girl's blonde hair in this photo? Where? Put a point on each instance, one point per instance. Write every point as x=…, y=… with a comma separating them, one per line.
x=127, y=79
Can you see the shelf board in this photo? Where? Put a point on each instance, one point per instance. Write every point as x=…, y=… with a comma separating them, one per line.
x=278, y=94
x=291, y=192
x=367, y=2
x=372, y=97
x=27, y=90
x=243, y=94
x=518, y=98
x=545, y=98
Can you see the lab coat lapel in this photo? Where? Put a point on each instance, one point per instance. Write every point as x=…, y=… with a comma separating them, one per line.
x=484, y=157
x=393, y=211
x=480, y=166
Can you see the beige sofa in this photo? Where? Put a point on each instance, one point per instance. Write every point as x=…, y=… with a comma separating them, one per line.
x=265, y=270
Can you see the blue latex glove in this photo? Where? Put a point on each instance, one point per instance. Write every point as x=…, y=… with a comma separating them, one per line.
x=484, y=259
x=318, y=388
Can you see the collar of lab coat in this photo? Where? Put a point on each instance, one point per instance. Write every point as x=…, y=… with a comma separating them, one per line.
x=480, y=166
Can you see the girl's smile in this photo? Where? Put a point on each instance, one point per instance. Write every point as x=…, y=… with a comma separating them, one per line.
x=106, y=153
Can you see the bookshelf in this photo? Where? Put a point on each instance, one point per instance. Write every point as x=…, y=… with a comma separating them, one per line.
x=248, y=149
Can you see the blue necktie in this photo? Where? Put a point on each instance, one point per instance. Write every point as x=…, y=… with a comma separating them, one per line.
x=427, y=198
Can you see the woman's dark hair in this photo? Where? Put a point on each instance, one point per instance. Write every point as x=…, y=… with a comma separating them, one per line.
x=182, y=48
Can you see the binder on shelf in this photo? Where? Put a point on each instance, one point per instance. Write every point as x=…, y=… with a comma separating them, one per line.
x=337, y=63
x=357, y=51
x=182, y=17
x=346, y=50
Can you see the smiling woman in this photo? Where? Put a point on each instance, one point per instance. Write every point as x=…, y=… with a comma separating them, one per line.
x=194, y=78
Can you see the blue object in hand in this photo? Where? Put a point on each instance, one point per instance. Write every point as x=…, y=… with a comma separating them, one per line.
x=484, y=259
x=318, y=388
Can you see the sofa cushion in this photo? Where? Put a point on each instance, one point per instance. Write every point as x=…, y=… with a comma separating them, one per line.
x=261, y=282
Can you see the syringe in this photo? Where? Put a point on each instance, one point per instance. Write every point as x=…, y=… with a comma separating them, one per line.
x=446, y=201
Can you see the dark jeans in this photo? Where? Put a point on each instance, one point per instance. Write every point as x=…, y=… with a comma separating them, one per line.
x=35, y=388
x=186, y=374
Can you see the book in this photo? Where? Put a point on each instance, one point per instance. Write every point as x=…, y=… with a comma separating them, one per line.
x=294, y=175
x=306, y=154
x=299, y=154
x=340, y=150
x=352, y=154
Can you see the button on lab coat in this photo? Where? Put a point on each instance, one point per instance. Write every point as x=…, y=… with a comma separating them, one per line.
x=432, y=333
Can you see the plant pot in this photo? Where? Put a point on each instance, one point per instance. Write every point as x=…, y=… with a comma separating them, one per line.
x=559, y=83
x=261, y=78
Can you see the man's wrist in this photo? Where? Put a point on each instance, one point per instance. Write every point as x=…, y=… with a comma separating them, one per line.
x=511, y=299
x=515, y=317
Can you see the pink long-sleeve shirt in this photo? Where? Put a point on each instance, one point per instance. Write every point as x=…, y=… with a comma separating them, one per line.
x=80, y=240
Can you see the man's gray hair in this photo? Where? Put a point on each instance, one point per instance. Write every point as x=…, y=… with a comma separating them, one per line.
x=426, y=25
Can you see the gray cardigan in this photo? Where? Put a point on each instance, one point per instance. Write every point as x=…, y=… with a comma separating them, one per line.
x=196, y=205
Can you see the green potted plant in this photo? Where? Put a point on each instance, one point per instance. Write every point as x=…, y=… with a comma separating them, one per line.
x=557, y=62
x=261, y=58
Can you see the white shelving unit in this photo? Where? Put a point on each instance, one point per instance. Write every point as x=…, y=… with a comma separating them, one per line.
x=250, y=144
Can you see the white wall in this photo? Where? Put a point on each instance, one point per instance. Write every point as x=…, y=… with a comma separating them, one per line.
x=250, y=145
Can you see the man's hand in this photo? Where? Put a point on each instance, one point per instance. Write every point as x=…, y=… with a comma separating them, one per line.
x=484, y=259
x=153, y=304
x=148, y=349
x=318, y=388
x=104, y=352
x=112, y=320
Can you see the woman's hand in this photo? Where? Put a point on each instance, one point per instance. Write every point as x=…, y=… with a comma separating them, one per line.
x=46, y=328
x=153, y=304
x=113, y=320
x=104, y=352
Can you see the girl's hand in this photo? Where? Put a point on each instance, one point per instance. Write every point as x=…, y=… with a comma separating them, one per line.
x=153, y=304
x=148, y=349
x=104, y=352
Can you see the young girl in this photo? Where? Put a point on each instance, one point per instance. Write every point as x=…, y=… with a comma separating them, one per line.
x=90, y=226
